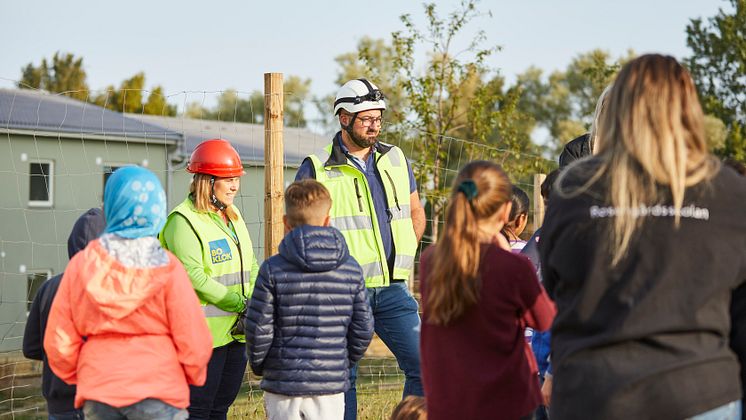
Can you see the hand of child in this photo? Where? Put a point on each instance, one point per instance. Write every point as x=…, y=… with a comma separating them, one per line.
x=546, y=389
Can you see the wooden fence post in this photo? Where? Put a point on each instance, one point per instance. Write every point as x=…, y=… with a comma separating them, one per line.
x=538, y=201
x=273, y=162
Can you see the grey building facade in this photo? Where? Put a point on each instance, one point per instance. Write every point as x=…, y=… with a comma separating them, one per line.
x=56, y=154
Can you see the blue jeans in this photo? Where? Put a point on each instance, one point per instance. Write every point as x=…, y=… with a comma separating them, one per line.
x=147, y=409
x=67, y=415
x=225, y=373
x=397, y=323
x=542, y=411
x=730, y=411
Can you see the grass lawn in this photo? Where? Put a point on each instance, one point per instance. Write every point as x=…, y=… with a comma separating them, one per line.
x=379, y=388
x=372, y=404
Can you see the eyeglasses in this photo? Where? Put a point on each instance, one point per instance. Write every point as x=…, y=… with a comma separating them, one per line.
x=368, y=121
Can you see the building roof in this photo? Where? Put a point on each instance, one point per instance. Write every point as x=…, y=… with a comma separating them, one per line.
x=41, y=112
x=248, y=139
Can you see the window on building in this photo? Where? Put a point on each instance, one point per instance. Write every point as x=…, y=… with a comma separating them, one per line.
x=41, y=184
x=108, y=170
x=34, y=281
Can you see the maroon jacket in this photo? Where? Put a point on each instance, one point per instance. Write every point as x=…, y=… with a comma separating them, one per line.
x=481, y=366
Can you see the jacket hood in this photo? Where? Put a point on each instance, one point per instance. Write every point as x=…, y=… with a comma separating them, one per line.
x=119, y=290
x=575, y=149
x=314, y=248
x=88, y=227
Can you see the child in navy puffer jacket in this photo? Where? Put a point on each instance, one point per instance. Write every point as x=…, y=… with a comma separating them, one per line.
x=309, y=319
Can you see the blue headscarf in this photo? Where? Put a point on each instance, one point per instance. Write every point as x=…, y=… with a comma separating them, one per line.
x=134, y=203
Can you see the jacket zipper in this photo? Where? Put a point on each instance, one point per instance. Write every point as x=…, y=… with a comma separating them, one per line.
x=396, y=196
x=359, y=196
x=240, y=261
x=240, y=256
x=384, y=266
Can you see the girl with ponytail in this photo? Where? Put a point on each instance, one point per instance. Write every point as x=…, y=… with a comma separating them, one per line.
x=478, y=298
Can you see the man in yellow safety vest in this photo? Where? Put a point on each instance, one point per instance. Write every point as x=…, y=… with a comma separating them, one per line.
x=376, y=206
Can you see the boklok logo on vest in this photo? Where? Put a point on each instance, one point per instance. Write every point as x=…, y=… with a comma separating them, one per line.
x=220, y=251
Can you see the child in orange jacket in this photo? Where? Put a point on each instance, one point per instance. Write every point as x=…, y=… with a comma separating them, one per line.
x=126, y=325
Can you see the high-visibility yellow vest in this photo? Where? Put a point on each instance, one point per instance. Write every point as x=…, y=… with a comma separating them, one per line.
x=354, y=215
x=227, y=260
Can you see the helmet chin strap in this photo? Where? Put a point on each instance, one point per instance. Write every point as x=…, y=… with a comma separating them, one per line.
x=348, y=127
x=213, y=198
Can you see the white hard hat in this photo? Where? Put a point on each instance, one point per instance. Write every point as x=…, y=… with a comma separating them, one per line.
x=358, y=95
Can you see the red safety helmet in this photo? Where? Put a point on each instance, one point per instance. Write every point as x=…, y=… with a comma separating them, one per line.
x=215, y=157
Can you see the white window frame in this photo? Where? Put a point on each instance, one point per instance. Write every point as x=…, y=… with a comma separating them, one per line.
x=50, y=202
x=48, y=272
x=117, y=165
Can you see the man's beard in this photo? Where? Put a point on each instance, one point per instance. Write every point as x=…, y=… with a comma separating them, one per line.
x=362, y=142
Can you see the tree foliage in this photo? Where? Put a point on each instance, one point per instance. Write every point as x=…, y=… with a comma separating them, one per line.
x=372, y=59
x=297, y=93
x=130, y=97
x=157, y=103
x=65, y=75
x=447, y=109
x=565, y=101
x=718, y=66
x=239, y=107
x=249, y=107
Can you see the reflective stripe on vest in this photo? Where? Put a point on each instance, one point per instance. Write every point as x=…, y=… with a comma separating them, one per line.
x=354, y=215
x=232, y=279
x=212, y=311
x=344, y=223
x=222, y=259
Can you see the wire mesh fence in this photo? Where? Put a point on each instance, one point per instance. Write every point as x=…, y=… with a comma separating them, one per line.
x=56, y=154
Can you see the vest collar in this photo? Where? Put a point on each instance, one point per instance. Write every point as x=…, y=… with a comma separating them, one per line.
x=337, y=157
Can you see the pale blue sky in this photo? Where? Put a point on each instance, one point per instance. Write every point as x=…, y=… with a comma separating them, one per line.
x=206, y=46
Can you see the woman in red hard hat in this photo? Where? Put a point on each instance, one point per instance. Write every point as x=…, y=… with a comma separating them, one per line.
x=207, y=233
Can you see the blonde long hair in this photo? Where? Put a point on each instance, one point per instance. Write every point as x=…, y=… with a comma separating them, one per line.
x=200, y=192
x=600, y=106
x=651, y=135
x=453, y=284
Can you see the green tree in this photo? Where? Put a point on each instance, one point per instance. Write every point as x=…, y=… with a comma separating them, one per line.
x=232, y=106
x=565, y=102
x=375, y=60
x=718, y=67
x=157, y=104
x=715, y=132
x=444, y=110
x=249, y=108
x=372, y=59
x=65, y=75
x=33, y=77
x=196, y=111
x=130, y=97
x=105, y=98
x=451, y=97
x=297, y=96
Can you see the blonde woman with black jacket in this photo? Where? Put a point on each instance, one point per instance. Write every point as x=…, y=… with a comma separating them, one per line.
x=641, y=248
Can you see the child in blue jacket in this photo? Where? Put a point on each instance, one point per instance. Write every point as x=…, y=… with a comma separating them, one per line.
x=309, y=319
